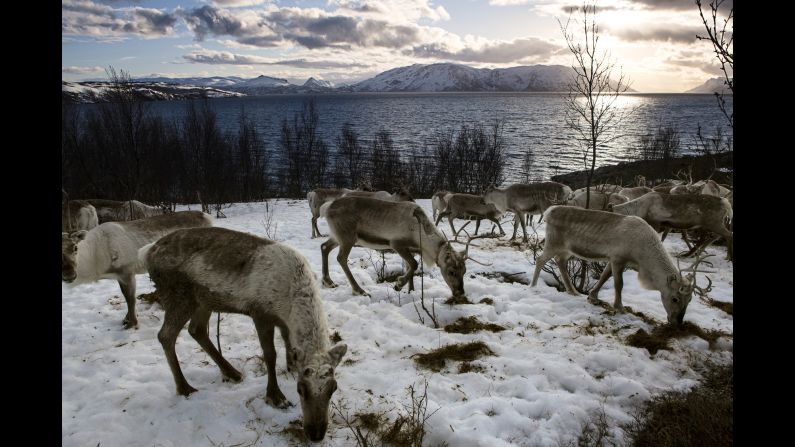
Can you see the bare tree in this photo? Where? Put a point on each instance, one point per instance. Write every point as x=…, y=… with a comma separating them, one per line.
x=590, y=105
x=722, y=40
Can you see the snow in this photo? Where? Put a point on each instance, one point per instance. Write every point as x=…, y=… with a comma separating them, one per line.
x=547, y=378
x=712, y=85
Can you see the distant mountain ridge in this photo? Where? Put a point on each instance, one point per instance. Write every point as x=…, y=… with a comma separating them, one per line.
x=713, y=85
x=441, y=77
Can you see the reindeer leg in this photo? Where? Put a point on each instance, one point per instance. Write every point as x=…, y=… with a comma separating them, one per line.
x=315, y=231
x=273, y=395
x=288, y=348
x=199, y=330
x=665, y=233
x=342, y=258
x=618, y=280
x=173, y=321
x=593, y=294
x=524, y=228
x=452, y=228
x=516, y=217
x=502, y=233
x=563, y=266
x=325, y=249
x=127, y=285
x=543, y=259
x=404, y=253
x=477, y=226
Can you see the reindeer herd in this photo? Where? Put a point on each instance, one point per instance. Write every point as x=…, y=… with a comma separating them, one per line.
x=198, y=269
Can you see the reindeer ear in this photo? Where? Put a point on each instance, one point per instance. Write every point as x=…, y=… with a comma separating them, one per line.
x=336, y=354
x=78, y=235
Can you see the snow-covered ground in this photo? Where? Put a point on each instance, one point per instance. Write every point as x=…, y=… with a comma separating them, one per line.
x=547, y=378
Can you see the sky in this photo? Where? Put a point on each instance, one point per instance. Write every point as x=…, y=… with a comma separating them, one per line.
x=343, y=41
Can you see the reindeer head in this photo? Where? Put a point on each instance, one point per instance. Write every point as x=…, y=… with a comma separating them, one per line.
x=453, y=264
x=316, y=384
x=677, y=296
x=69, y=254
x=680, y=289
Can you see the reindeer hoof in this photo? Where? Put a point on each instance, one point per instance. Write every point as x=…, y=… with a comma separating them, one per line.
x=618, y=309
x=361, y=292
x=277, y=400
x=186, y=390
x=130, y=323
x=329, y=283
x=232, y=376
x=593, y=300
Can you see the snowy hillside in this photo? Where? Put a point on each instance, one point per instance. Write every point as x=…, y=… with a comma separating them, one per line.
x=318, y=83
x=214, y=81
x=711, y=86
x=148, y=91
x=456, y=77
x=558, y=362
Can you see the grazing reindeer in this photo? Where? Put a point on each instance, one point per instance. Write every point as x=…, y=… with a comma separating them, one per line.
x=317, y=198
x=110, y=251
x=599, y=200
x=202, y=270
x=116, y=211
x=438, y=202
x=78, y=215
x=622, y=241
x=635, y=192
x=523, y=199
x=684, y=212
x=399, y=195
x=467, y=205
x=400, y=226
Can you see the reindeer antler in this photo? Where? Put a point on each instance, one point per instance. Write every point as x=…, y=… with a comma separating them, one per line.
x=699, y=259
x=705, y=290
x=466, y=250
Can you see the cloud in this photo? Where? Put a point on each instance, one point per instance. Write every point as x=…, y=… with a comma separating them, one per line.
x=679, y=5
x=708, y=68
x=509, y=2
x=87, y=18
x=81, y=70
x=394, y=10
x=227, y=58
x=491, y=52
x=659, y=32
x=238, y=3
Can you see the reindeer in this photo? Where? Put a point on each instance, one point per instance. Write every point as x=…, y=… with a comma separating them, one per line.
x=623, y=241
x=599, y=200
x=438, y=202
x=634, y=192
x=684, y=211
x=522, y=199
x=666, y=186
x=203, y=270
x=78, y=215
x=606, y=188
x=317, y=198
x=400, y=226
x=467, y=206
x=116, y=211
x=110, y=251
x=399, y=195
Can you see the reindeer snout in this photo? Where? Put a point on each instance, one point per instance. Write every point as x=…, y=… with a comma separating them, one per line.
x=68, y=276
x=315, y=433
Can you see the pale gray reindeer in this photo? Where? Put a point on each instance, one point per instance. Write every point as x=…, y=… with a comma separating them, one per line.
x=316, y=198
x=110, y=251
x=204, y=270
x=523, y=199
x=319, y=197
x=684, y=212
x=467, y=206
x=400, y=226
x=633, y=193
x=78, y=215
x=118, y=211
x=623, y=241
x=438, y=204
x=599, y=200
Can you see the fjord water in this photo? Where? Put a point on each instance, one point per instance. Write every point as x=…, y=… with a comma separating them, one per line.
x=531, y=120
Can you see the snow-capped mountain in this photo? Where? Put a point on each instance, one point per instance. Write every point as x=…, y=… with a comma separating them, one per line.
x=318, y=83
x=714, y=85
x=92, y=91
x=214, y=81
x=447, y=77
